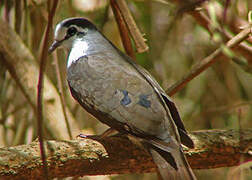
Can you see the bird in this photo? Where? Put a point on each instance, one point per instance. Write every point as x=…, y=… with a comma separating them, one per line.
x=123, y=95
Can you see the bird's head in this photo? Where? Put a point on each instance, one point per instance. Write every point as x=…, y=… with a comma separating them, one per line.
x=70, y=30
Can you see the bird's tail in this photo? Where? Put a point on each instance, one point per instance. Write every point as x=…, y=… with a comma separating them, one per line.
x=170, y=160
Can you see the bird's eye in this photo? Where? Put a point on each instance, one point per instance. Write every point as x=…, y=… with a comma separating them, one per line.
x=71, y=31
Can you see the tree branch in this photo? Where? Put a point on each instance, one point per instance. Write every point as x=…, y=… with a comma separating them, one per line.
x=118, y=155
x=123, y=30
x=43, y=60
x=204, y=21
x=208, y=61
x=141, y=46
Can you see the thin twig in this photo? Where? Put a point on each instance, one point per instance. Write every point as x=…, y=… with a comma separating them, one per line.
x=18, y=15
x=204, y=21
x=61, y=93
x=208, y=61
x=7, y=9
x=12, y=112
x=122, y=29
x=15, y=76
x=23, y=66
x=225, y=108
x=43, y=59
x=141, y=46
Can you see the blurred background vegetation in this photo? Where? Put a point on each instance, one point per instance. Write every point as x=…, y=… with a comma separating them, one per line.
x=219, y=98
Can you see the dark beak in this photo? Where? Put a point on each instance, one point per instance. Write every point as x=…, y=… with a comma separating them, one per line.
x=54, y=45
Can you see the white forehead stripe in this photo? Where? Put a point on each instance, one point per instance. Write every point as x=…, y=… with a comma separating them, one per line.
x=57, y=29
x=59, y=32
x=78, y=50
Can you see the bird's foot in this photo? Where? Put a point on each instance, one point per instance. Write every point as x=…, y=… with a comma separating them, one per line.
x=107, y=133
x=83, y=136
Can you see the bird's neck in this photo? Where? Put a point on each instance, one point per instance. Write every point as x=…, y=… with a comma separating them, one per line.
x=79, y=49
x=93, y=44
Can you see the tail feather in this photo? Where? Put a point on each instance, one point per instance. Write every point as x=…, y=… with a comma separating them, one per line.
x=165, y=156
x=171, y=163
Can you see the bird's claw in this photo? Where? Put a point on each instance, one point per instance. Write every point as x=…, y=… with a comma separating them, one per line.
x=81, y=136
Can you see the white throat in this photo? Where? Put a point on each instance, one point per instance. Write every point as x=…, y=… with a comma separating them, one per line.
x=78, y=50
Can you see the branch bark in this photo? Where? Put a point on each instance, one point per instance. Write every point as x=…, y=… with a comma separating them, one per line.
x=118, y=155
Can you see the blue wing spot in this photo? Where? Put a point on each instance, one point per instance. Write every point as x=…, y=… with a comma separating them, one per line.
x=126, y=99
x=143, y=101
